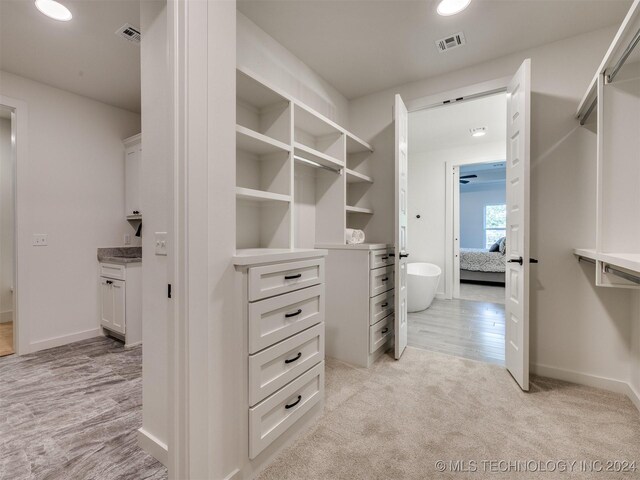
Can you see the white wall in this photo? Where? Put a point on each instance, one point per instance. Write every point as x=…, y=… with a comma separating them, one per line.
x=263, y=55
x=577, y=331
x=426, y=235
x=472, y=203
x=156, y=202
x=71, y=187
x=6, y=222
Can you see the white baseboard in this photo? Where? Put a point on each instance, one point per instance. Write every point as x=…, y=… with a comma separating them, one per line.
x=617, y=386
x=6, y=317
x=153, y=446
x=64, y=340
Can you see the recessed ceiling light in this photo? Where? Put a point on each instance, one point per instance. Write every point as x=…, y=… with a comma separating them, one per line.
x=478, y=132
x=451, y=7
x=55, y=10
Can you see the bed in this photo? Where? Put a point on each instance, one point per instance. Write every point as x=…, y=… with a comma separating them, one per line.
x=482, y=266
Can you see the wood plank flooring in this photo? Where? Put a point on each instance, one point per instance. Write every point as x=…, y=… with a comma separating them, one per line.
x=73, y=412
x=482, y=293
x=6, y=339
x=462, y=328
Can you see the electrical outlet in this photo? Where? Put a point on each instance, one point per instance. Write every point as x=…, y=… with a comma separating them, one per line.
x=40, y=240
x=127, y=239
x=161, y=243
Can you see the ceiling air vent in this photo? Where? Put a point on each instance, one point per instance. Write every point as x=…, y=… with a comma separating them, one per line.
x=453, y=41
x=129, y=32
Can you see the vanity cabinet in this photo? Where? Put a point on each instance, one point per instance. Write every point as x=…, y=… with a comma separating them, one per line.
x=121, y=301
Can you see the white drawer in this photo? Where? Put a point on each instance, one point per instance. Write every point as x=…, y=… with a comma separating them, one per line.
x=276, y=366
x=270, y=280
x=380, y=280
x=273, y=416
x=380, y=333
x=380, y=306
x=277, y=318
x=381, y=258
x=111, y=270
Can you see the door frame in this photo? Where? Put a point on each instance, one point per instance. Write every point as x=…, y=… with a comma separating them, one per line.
x=445, y=99
x=19, y=119
x=452, y=222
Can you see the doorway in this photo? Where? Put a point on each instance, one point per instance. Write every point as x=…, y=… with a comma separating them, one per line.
x=457, y=180
x=7, y=232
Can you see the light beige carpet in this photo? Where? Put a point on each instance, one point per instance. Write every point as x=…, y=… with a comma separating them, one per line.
x=397, y=419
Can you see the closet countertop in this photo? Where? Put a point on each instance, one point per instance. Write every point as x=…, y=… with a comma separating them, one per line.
x=357, y=246
x=253, y=256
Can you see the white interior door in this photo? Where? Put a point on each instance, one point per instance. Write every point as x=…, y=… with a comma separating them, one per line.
x=401, y=116
x=517, y=271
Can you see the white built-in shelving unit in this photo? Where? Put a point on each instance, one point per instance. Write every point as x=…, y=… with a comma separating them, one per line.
x=611, y=107
x=301, y=179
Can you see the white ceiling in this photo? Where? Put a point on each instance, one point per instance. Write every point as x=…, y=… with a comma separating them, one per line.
x=448, y=126
x=83, y=56
x=363, y=46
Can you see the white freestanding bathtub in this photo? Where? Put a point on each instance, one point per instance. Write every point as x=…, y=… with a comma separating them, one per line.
x=422, y=284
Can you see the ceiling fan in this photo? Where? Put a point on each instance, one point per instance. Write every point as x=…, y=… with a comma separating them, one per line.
x=463, y=181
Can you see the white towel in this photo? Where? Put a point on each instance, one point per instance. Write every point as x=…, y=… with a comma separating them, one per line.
x=354, y=236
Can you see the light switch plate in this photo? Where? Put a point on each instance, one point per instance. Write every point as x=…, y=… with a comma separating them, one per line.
x=40, y=240
x=161, y=243
x=127, y=239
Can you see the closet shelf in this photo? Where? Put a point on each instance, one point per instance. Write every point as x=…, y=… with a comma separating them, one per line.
x=261, y=196
x=357, y=145
x=356, y=177
x=313, y=123
x=367, y=211
x=257, y=143
x=629, y=261
x=253, y=92
x=316, y=156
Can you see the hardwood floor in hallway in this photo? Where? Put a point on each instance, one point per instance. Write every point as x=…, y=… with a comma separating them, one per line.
x=463, y=328
x=6, y=339
x=73, y=412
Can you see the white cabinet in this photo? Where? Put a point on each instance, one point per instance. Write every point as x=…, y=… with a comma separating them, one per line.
x=282, y=304
x=121, y=301
x=113, y=304
x=132, y=169
x=359, y=318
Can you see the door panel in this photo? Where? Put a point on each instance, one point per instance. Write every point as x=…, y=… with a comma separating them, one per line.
x=401, y=116
x=119, y=305
x=517, y=272
x=106, y=303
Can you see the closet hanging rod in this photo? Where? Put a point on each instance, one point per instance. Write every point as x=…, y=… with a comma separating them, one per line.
x=620, y=63
x=585, y=259
x=621, y=274
x=317, y=165
x=589, y=111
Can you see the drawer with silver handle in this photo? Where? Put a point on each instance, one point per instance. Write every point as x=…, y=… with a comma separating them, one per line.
x=276, y=366
x=380, y=280
x=270, y=280
x=277, y=413
x=277, y=318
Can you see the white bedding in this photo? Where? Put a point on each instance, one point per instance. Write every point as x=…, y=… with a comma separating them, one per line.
x=480, y=260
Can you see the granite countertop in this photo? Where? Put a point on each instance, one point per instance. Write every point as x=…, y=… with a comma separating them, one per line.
x=120, y=255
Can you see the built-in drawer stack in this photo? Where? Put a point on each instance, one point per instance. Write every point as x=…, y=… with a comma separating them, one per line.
x=381, y=302
x=360, y=302
x=285, y=313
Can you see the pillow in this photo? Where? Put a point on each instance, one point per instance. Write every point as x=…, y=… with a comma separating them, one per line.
x=503, y=245
x=495, y=247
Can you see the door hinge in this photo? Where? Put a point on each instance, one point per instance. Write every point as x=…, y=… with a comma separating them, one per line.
x=169, y=290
